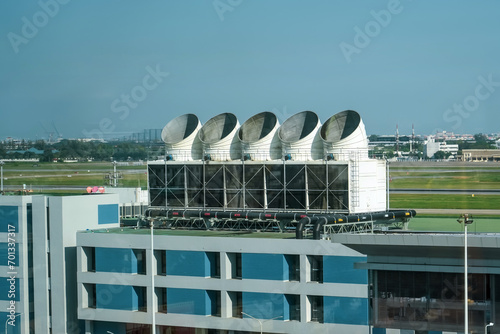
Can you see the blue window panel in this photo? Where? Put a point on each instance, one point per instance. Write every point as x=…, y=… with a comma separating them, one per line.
x=116, y=297
x=340, y=269
x=18, y=317
x=378, y=330
x=4, y=255
x=5, y=288
x=9, y=215
x=120, y=260
x=187, y=263
x=264, y=266
x=188, y=301
x=265, y=305
x=107, y=214
x=104, y=327
x=345, y=310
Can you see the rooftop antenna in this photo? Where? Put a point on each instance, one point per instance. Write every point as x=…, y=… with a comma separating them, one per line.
x=412, y=137
x=397, y=138
x=59, y=136
x=50, y=134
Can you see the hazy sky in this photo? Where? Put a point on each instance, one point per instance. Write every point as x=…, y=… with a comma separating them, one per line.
x=119, y=66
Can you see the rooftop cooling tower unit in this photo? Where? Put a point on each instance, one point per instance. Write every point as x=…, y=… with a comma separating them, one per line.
x=181, y=140
x=344, y=136
x=219, y=138
x=299, y=137
x=259, y=138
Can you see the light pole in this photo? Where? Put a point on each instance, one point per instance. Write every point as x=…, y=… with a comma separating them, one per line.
x=114, y=174
x=486, y=327
x=466, y=220
x=7, y=321
x=1, y=176
x=153, y=309
x=261, y=322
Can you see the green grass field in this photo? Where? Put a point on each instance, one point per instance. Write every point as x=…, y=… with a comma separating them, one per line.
x=450, y=224
x=70, y=174
x=439, y=201
x=86, y=174
x=445, y=180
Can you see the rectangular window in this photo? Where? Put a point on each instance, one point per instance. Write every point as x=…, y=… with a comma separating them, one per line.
x=215, y=302
x=236, y=303
x=235, y=263
x=431, y=300
x=89, y=255
x=161, y=295
x=293, y=307
x=214, y=262
x=315, y=268
x=107, y=214
x=142, y=300
x=161, y=262
x=293, y=262
x=140, y=255
x=316, y=308
x=120, y=297
x=89, y=296
x=121, y=260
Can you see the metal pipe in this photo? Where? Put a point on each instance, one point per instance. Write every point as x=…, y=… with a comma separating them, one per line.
x=318, y=227
x=302, y=218
x=299, y=230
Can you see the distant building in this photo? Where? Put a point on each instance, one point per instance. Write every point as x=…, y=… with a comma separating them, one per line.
x=444, y=135
x=481, y=155
x=431, y=147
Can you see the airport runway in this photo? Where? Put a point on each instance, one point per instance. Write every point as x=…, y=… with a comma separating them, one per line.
x=446, y=191
x=458, y=212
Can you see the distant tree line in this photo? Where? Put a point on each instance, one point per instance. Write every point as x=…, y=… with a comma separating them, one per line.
x=480, y=142
x=73, y=150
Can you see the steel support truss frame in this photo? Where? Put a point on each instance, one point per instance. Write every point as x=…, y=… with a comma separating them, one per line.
x=267, y=185
x=229, y=224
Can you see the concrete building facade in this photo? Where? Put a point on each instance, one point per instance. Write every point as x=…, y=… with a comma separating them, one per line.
x=216, y=282
x=38, y=251
x=416, y=281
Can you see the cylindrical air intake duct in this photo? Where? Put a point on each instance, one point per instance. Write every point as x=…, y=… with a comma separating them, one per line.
x=344, y=136
x=259, y=138
x=299, y=137
x=219, y=138
x=181, y=138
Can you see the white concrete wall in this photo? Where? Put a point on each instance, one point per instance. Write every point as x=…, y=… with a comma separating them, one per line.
x=20, y=272
x=41, y=263
x=67, y=215
x=224, y=284
x=371, y=186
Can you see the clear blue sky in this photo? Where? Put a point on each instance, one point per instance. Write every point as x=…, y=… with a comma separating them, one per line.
x=85, y=66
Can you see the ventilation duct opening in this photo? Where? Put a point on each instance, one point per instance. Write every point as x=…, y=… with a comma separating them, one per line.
x=180, y=138
x=219, y=139
x=259, y=139
x=299, y=137
x=344, y=136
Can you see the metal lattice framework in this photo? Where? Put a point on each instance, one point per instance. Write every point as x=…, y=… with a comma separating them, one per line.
x=321, y=186
x=229, y=224
x=355, y=227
